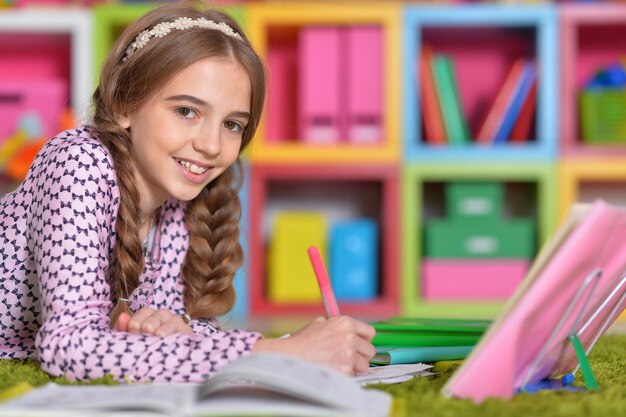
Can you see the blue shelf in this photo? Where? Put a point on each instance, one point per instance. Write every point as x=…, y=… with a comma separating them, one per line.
x=542, y=20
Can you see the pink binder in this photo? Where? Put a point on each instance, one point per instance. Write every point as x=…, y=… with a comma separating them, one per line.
x=282, y=80
x=529, y=341
x=364, y=81
x=45, y=97
x=320, y=84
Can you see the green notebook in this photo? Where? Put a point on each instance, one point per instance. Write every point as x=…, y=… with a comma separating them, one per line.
x=428, y=332
x=416, y=339
x=413, y=324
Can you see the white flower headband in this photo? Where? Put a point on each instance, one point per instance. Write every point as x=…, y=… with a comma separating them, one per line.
x=182, y=23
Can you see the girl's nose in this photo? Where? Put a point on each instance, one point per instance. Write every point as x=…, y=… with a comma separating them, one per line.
x=208, y=141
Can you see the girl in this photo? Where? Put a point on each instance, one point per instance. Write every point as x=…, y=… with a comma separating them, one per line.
x=119, y=248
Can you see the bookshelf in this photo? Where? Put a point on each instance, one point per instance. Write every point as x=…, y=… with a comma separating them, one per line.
x=402, y=171
x=537, y=179
x=344, y=180
x=588, y=33
x=43, y=45
x=276, y=27
x=51, y=42
x=585, y=179
x=339, y=192
x=482, y=41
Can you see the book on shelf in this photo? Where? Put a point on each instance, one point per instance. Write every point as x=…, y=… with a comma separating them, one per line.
x=434, y=130
x=257, y=384
x=516, y=101
x=455, y=124
x=524, y=122
x=488, y=129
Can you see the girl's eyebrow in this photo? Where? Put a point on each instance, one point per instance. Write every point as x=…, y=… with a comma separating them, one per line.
x=202, y=103
x=187, y=97
x=240, y=114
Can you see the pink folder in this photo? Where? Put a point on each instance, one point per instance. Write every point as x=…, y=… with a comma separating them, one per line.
x=320, y=84
x=364, y=81
x=282, y=79
x=506, y=358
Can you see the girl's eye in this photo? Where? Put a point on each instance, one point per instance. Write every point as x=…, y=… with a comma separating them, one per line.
x=233, y=126
x=186, y=112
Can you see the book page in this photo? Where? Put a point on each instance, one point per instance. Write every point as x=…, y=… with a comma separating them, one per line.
x=300, y=379
x=161, y=398
x=258, y=384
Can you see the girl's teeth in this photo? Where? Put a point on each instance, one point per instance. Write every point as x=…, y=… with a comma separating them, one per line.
x=192, y=167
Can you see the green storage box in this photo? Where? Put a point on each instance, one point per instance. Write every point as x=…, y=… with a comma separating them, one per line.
x=474, y=200
x=514, y=238
x=603, y=116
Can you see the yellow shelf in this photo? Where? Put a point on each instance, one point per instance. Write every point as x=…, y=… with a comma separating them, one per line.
x=260, y=17
x=573, y=172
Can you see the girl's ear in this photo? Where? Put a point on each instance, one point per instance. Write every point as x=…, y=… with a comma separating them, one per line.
x=124, y=121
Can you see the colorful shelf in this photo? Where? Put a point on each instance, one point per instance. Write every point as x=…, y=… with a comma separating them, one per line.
x=413, y=200
x=473, y=36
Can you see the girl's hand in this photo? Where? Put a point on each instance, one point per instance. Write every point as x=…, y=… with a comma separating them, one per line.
x=341, y=342
x=153, y=322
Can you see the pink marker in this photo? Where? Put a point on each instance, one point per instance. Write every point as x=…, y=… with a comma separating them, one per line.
x=332, y=309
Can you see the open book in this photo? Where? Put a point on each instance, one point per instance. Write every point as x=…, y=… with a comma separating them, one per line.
x=257, y=384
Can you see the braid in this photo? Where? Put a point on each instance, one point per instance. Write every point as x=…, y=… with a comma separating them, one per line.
x=126, y=264
x=214, y=253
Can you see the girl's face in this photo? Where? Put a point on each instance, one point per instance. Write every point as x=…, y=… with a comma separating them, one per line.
x=190, y=131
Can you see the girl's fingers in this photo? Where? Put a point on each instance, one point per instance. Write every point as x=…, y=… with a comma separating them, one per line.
x=365, y=349
x=155, y=321
x=168, y=328
x=121, y=325
x=173, y=325
x=364, y=330
x=348, y=324
x=136, y=321
x=361, y=365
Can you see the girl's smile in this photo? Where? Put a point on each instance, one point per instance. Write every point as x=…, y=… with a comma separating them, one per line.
x=195, y=172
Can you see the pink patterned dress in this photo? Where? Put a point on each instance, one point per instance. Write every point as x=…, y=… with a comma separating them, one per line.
x=56, y=238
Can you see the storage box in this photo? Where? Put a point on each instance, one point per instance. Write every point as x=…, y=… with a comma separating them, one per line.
x=474, y=200
x=471, y=280
x=354, y=259
x=513, y=238
x=291, y=278
x=603, y=116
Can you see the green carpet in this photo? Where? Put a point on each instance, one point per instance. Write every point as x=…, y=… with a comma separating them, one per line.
x=420, y=397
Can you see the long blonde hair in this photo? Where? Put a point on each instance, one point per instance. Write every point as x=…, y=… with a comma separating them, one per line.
x=212, y=218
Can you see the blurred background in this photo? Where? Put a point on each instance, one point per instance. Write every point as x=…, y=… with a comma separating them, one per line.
x=428, y=149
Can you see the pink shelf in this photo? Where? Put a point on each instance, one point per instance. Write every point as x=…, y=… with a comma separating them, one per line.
x=591, y=37
x=28, y=56
x=378, y=186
